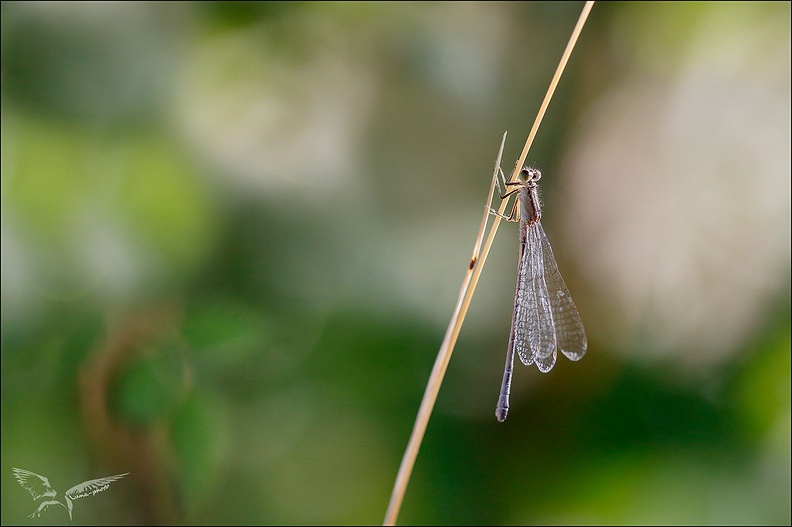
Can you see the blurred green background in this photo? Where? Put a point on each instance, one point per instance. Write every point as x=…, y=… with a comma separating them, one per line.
x=233, y=235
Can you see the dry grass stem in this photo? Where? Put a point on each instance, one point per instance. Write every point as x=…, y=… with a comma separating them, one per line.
x=466, y=292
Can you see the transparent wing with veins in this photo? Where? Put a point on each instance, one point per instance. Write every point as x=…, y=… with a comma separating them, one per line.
x=569, y=332
x=545, y=317
x=534, y=336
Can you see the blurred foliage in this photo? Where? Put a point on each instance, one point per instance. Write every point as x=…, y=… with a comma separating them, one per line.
x=233, y=234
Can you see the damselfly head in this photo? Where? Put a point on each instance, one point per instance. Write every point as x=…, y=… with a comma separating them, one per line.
x=528, y=174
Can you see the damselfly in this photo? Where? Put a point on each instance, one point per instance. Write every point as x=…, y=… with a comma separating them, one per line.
x=545, y=317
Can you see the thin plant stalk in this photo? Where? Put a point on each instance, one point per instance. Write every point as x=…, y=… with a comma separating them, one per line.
x=466, y=292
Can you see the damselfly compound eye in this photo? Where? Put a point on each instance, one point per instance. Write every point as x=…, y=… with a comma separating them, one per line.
x=530, y=174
